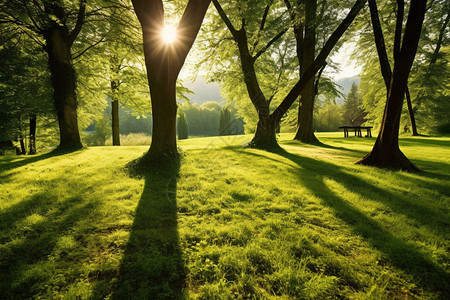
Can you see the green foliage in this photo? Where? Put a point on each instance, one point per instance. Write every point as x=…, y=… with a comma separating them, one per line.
x=182, y=126
x=24, y=85
x=328, y=117
x=224, y=122
x=101, y=133
x=204, y=120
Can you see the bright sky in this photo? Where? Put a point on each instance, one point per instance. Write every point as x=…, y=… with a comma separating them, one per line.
x=347, y=66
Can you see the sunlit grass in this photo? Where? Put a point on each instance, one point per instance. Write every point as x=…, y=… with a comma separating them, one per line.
x=234, y=223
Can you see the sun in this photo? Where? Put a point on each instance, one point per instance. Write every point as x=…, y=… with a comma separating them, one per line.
x=169, y=34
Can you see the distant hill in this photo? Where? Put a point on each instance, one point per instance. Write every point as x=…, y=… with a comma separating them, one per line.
x=203, y=91
x=346, y=83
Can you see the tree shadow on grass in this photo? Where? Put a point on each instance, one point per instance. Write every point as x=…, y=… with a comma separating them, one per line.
x=152, y=265
x=29, y=233
x=320, y=144
x=398, y=252
x=11, y=163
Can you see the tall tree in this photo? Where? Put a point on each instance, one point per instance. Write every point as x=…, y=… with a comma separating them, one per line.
x=265, y=135
x=163, y=62
x=386, y=152
x=24, y=91
x=55, y=25
x=305, y=36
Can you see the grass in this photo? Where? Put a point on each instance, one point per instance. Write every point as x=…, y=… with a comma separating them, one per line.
x=229, y=223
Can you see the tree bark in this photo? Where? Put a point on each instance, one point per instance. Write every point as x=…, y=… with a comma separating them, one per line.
x=386, y=152
x=23, y=149
x=32, y=148
x=64, y=87
x=411, y=113
x=115, y=116
x=305, y=130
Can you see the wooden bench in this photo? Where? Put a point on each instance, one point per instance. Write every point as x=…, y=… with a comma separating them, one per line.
x=357, y=130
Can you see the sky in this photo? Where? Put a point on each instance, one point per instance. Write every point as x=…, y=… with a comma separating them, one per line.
x=348, y=67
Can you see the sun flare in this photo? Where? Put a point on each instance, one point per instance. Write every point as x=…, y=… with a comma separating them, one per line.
x=169, y=34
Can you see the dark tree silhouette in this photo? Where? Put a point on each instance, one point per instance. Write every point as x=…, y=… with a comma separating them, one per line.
x=163, y=62
x=386, y=152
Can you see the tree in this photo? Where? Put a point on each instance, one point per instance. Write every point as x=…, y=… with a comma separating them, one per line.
x=24, y=92
x=163, y=62
x=182, y=127
x=127, y=80
x=265, y=135
x=56, y=25
x=352, y=105
x=386, y=152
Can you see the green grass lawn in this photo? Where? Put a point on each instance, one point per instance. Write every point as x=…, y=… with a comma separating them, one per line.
x=229, y=223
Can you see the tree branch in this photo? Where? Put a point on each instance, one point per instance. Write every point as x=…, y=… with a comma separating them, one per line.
x=38, y=28
x=380, y=44
x=80, y=20
x=318, y=62
x=225, y=18
x=77, y=55
x=263, y=23
x=398, y=27
x=273, y=40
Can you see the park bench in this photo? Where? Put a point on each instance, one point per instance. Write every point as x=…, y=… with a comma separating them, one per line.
x=357, y=130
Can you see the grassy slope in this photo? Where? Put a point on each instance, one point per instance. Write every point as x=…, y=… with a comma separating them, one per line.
x=234, y=223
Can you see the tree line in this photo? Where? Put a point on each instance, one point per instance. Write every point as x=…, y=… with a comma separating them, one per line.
x=265, y=54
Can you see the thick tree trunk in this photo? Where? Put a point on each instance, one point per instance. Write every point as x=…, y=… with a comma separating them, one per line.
x=64, y=88
x=163, y=63
x=164, y=112
x=265, y=135
x=386, y=152
x=305, y=130
x=411, y=113
x=32, y=148
x=115, y=117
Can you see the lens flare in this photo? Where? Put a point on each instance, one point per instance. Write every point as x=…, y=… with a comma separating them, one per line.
x=169, y=34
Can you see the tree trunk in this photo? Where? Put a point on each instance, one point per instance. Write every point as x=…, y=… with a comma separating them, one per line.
x=32, y=134
x=64, y=88
x=411, y=113
x=305, y=130
x=115, y=122
x=23, y=150
x=163, y=63
x=386, y=152
x=265, y=135
x=164, y=112
x=318, y=63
